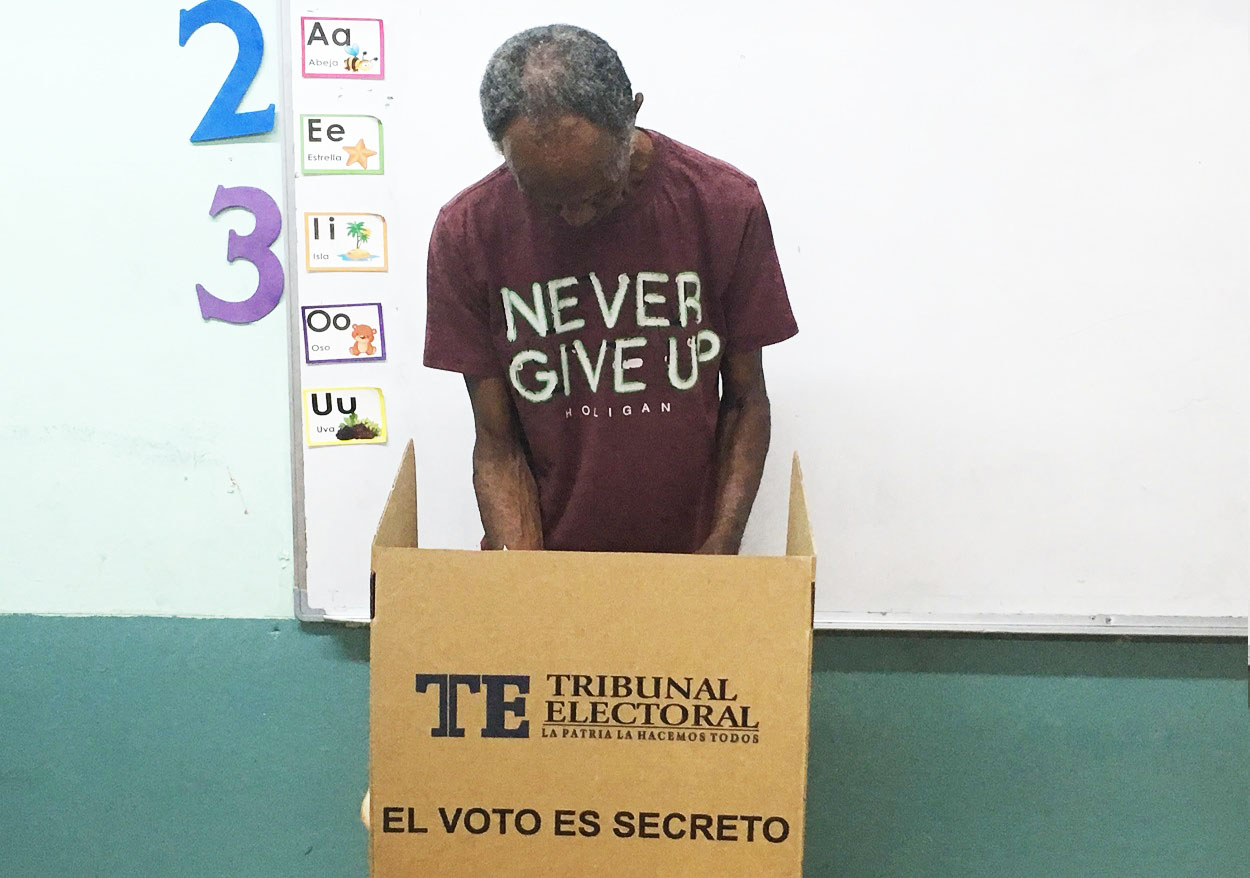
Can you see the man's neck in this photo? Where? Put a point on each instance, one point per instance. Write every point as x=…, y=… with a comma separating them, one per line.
x=642, y=150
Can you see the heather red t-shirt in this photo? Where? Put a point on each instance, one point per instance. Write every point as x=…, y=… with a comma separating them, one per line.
x=610, y=337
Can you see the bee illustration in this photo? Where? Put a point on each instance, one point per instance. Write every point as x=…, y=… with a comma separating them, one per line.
x=358, y=62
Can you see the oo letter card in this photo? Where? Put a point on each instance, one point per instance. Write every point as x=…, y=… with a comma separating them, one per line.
x=343, y=333
x=342, y=241
x=343, y=48
x=344, y=416
x=340, y=144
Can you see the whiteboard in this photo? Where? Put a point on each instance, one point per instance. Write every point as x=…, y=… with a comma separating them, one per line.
x=143, y=448
x=1015, y=241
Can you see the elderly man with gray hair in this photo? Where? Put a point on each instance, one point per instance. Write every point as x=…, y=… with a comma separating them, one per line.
x=606, y=294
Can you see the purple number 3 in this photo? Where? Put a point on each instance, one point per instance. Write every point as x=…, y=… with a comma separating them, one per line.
x=253, y=247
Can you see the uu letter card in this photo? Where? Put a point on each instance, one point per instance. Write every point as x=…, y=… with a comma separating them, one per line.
x=344, y=416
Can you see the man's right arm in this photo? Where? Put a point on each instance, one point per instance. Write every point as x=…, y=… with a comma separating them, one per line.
x=507, y=496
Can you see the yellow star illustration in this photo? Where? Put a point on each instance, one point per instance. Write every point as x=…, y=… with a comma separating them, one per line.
x=359, y=154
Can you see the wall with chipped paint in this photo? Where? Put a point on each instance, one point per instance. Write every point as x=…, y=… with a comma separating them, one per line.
x=144, y=453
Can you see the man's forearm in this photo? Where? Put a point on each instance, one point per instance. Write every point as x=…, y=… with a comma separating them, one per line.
x=743, y=435
x=507, y=498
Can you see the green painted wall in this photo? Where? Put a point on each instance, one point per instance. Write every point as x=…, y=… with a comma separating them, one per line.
x=235, y=748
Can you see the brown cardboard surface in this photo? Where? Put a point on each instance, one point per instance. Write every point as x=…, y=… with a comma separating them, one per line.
x=398, y=525
x=560, y=760
x=798, y=526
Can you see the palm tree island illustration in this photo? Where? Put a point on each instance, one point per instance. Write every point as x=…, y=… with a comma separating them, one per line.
x=361, y=234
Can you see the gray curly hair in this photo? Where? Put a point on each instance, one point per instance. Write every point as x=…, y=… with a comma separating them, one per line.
x=553, y=70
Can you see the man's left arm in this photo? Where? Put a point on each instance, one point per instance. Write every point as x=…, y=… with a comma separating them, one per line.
x=742, y=435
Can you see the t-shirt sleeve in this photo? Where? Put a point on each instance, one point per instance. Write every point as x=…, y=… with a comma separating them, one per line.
x=457, y=321
x=757, y=308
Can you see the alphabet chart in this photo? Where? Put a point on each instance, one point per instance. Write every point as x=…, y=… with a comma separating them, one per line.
x=385, y=128
x=351, y=334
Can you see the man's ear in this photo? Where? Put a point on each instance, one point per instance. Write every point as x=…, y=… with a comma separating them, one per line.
x=637, y=103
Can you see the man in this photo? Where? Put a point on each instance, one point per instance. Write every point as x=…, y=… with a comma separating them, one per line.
x=591, y=291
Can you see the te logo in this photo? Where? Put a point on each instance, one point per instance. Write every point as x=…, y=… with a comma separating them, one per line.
x=499, y=707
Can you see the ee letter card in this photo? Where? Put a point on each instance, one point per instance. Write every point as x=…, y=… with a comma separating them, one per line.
x=340, y=144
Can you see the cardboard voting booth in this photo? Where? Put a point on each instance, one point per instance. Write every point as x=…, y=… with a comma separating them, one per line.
x=570, y=714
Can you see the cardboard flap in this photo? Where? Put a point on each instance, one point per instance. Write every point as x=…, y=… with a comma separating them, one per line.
x=799, y=528
x=398, y=525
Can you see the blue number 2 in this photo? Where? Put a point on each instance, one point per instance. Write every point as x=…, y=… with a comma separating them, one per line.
x=223, y=118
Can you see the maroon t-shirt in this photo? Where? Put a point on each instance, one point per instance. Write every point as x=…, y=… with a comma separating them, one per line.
x=610, y=337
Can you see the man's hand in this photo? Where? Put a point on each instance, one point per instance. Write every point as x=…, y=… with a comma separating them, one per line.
x=742, y=435
x=507, y=496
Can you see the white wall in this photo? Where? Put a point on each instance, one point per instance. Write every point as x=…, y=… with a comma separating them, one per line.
x=144, y=453
x=1014, y=236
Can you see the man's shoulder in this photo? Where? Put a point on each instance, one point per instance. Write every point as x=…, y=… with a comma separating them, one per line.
x=692, y=166
x=485, y=193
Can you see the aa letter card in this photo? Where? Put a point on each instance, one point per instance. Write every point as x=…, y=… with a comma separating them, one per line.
x=343, y=48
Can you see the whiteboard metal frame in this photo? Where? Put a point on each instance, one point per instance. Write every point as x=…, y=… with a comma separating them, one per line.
x=303, y=611
x=1103, y=624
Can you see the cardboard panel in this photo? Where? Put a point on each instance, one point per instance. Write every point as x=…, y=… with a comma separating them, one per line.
x=398, y=525
x=549, y=713
x=799, y=526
